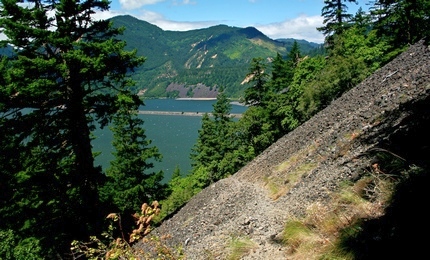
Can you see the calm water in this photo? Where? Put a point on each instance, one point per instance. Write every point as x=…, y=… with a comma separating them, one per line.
x=174, y=136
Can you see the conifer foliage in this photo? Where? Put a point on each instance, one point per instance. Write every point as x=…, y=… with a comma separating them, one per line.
x=214, y=143
x=61, y=79
x=336, y=18
x=128, y=182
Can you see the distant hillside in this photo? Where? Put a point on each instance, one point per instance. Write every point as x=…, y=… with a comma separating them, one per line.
x=308, y=48
x=214, y=57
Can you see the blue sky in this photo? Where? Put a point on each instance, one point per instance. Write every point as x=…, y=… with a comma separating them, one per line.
x=296, y=19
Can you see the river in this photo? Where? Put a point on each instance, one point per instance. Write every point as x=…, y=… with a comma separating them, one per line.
x=172, y=126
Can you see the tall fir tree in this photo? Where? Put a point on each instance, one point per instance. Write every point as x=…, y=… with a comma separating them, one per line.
x=402, y=22
x=129, y=181
x=60, y=79
x=336, y=18
x=258, y=77
x=213, y=142
x=281, y=74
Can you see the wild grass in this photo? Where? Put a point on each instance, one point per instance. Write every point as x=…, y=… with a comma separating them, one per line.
x=239, y=246
x=280, y=186
x=322, y=232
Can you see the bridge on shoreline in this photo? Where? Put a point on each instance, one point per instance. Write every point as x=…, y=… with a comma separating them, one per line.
x=175, y=113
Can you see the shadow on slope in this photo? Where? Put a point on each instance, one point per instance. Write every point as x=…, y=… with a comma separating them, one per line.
x=399, y=233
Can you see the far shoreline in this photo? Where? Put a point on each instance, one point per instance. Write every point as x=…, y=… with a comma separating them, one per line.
x=233, y=102
x=195, y=98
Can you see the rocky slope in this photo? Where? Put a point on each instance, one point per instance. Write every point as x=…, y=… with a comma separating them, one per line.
x=389, y=110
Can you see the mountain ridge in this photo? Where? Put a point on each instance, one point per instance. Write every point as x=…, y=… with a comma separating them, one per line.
x=217, y=56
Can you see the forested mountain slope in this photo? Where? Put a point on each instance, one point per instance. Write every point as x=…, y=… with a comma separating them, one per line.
x=218, y=56
x=372, y=131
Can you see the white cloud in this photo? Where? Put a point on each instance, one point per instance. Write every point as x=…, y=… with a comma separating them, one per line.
x=302, y=27
x=184, y=2
x=107, y=14
x=133, y=4
x=165, y=24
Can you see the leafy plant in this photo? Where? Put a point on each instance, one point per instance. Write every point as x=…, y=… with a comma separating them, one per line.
x=112, y=247
x=10, y=248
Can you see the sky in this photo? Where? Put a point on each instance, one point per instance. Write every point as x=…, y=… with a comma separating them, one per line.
x=296, y=19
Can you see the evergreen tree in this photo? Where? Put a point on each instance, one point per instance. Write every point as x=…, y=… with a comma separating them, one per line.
x=402, y=22
x=128, y=184
x=262, y=122
x=336, y=18
x=204, y=149
x=283, y=70
x=304, y=74
x=256, y=94
x=257, y=124
x=61, y=77
x=213, y=142
x=257, y=129
x=295, y=55
x=281, y=74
